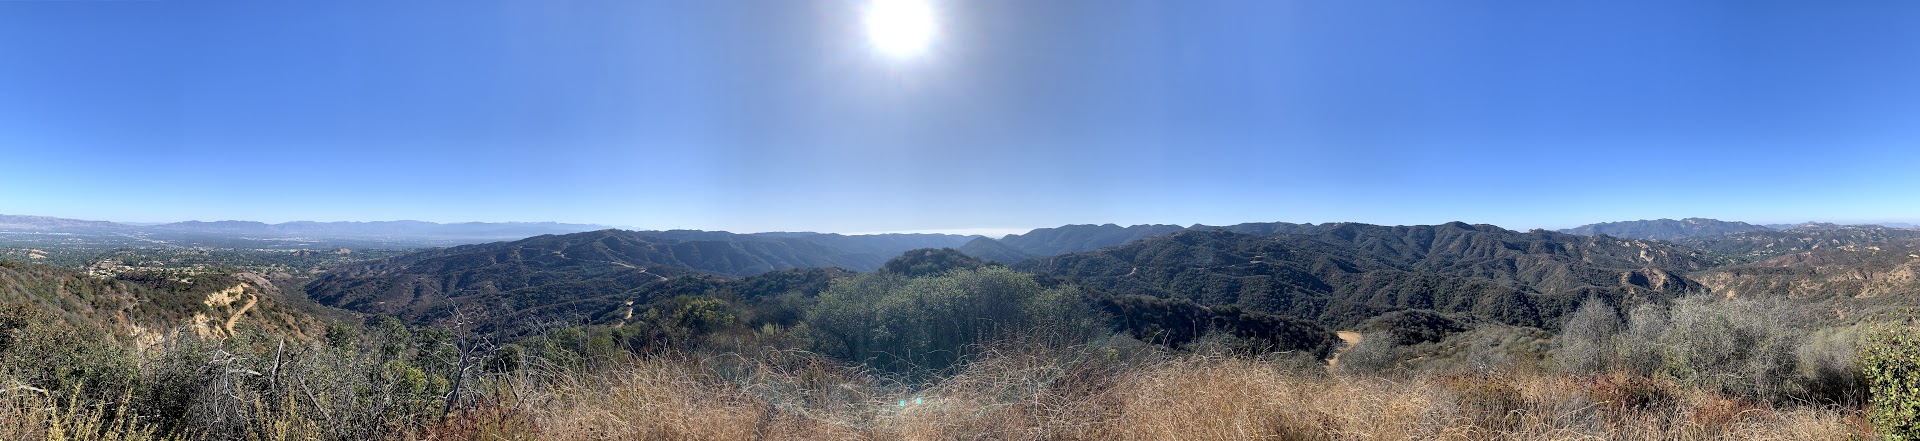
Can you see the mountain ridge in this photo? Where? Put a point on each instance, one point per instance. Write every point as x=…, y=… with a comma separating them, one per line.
x=1341, y=273
x=1665, y=229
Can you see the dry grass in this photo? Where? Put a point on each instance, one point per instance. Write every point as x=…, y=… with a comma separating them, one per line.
x=29, y=415
x=659, y=400
x=1036, y=393
x=1024, y=395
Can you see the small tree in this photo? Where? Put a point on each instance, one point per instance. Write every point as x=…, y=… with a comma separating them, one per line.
x=1585, y=344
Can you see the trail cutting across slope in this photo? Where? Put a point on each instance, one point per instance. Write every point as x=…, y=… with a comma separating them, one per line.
x=235, y=318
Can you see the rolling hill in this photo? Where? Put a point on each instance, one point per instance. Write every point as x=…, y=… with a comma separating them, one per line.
x=993, y=250
x=1077, y=238
x=142, y=307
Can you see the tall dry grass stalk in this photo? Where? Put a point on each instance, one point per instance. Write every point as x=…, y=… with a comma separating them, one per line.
x=37, y=415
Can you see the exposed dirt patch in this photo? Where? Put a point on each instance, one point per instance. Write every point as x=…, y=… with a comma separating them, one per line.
x=235, y=318
x=1349, y=339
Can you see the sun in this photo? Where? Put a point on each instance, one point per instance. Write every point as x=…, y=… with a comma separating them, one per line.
x=900, y=28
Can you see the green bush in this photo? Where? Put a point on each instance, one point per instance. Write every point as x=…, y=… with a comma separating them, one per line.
x=41, y=352
x=1412, y=326
x=1890, y=360
x=930, y=262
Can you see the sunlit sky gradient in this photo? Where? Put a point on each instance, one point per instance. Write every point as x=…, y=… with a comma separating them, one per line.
x=780, y=115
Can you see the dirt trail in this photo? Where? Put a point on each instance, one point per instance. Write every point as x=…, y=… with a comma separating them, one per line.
x=235, y=318
x=642, y=270
x=1350, y=339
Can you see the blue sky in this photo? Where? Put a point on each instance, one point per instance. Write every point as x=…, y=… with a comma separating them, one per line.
x=780, y=115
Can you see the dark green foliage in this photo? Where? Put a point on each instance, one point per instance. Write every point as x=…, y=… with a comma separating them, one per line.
x=1890, y=361
x=1412, y=326
x=1268, y=333
x=508, y=359
x=342, y=336
x=803, y=281
x=1177, y=322
x=14, y=317
x=677, y=323
x=1171, y=322
x=930, y=262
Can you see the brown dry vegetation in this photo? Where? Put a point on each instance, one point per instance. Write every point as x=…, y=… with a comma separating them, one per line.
x=1041, y=394
x=1048, y=394
x=1024, y=396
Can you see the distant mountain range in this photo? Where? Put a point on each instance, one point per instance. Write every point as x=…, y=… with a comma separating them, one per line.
x=52, y=223
x=1665, y=229
x=380, y=229
x=1810, y=225
x=993, y=250
x=1046, y=242
x=1669, y=229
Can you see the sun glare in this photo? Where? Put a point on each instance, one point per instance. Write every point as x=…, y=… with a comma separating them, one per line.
x=900, y=28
